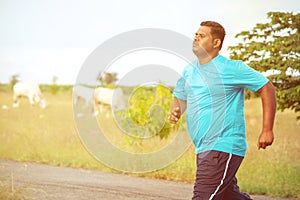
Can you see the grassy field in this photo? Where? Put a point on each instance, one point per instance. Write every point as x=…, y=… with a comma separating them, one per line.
x=49, y=136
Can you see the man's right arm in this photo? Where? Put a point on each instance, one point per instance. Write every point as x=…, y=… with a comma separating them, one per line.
x=178, y=107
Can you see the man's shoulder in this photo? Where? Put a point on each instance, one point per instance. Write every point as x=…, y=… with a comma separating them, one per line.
x=226, y=61
x=190, y=66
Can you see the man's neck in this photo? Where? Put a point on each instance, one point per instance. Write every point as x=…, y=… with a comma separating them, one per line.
x=207, y=58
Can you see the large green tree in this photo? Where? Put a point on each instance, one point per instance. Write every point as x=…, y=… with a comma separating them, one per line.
x=274, y=48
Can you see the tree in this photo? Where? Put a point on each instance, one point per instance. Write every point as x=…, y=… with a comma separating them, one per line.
x=273, y=48
x=147, y=112
x=54, y=87
x=107, y=78
x=14, y=79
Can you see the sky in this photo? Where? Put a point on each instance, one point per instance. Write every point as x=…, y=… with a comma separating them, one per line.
x=43, y=39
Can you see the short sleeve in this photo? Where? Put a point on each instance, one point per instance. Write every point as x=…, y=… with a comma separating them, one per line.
x=247, y=77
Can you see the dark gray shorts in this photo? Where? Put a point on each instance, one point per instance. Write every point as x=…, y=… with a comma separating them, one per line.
x=215, y=177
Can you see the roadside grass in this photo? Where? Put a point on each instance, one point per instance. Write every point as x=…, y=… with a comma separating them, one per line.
x=7, y=194
x=49, y=136
x=8, y=191
x=12, y=190
x=274, y=171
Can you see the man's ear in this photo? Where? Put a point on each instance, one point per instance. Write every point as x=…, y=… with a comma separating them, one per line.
x=217, y=43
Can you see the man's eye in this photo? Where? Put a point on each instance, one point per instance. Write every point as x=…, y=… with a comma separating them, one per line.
x=199, y=35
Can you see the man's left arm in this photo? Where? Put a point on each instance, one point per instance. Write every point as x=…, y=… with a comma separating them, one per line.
x=268, y=96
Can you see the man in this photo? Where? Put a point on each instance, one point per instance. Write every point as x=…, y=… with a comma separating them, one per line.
x=211, y=90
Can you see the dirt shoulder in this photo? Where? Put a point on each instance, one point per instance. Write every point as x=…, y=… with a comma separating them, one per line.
x=50, y=182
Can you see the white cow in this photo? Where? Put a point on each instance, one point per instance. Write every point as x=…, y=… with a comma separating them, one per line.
x=29, y=90
x=83, y=95
x=83, y=98
x=114, y=98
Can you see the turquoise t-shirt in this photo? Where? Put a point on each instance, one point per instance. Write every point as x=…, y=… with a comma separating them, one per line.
x=215, y=103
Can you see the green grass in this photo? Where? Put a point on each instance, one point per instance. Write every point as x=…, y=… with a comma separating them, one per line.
x=49, y=136
x=275, y=171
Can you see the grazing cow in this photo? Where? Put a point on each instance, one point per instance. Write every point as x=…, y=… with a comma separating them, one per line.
x=29, y=90
x=83, y=100
x=114, y=98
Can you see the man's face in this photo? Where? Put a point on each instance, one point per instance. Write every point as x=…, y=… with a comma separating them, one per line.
x=203, y=41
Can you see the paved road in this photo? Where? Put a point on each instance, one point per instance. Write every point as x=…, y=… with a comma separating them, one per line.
x=50, y=182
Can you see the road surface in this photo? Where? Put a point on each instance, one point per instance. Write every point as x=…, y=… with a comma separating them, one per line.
x=49, y=182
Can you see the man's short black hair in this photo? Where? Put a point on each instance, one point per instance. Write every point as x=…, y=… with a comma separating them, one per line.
x=217, y=30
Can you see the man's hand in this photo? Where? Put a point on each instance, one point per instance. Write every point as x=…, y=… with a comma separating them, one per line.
x=265, y=139
x=174, y=115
